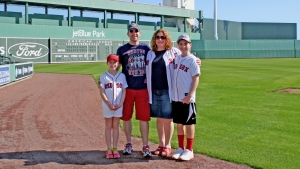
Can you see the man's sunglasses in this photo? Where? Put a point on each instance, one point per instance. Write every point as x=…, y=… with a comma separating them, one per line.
x=160, y=37
x=131, y=31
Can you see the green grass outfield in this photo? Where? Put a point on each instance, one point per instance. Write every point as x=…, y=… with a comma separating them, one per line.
x=240, y=119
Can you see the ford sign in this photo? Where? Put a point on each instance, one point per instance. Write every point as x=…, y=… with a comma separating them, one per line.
x=28, y=50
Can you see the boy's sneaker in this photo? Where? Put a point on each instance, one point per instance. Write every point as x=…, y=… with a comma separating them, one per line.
x=146, y=151
x=187, y=155
x=178, y=153
x=128, y=149
x=109, y=153
x=116, y=153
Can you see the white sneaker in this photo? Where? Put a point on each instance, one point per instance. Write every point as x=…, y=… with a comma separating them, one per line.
x=186, y=155
x=177, y=154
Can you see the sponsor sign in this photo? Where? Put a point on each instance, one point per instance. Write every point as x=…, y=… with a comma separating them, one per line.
x=23, y=70
x=4, y=75
x=28, y=50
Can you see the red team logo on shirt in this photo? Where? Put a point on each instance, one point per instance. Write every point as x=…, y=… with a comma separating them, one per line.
x=182, y=67
x=110, y=85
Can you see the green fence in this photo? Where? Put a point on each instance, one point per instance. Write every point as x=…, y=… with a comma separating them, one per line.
x=91, y=50
x=211, y=49
x=297, y=49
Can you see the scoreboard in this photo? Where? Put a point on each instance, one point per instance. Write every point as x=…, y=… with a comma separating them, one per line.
x=74, y=50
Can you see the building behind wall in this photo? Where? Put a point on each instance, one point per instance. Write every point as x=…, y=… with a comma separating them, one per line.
x=185, y=4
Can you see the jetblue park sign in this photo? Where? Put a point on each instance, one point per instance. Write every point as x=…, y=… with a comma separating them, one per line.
x=88, y=34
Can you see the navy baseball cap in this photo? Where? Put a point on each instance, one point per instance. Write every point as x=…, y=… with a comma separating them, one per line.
x=184, y=37
x=133, y=25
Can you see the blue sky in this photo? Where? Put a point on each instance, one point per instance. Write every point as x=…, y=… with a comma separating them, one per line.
x=277, y=11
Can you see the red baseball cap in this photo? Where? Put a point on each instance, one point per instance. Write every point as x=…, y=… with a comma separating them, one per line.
x=112, y=57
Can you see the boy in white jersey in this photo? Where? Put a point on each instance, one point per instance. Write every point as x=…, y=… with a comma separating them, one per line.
x=185, y=82
x=112, y=86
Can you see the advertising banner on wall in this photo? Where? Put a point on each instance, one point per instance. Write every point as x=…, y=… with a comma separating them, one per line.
x=4, y=75
x=23, y=70
x=26, y=49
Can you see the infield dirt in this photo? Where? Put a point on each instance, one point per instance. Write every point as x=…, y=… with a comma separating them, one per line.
x=55, y=121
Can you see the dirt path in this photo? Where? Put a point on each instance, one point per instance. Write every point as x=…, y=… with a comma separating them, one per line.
x=54, y=121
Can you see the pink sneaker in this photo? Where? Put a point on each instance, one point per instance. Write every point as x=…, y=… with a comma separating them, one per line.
x=109, y=153
x=116, y=153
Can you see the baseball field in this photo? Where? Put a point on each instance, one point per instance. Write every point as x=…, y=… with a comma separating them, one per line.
x=248, y=109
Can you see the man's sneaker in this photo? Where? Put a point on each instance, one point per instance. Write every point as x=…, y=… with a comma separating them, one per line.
x=186, y=155
x=109, y=153
x=178, y=153
x=128, y=149
x=116, y=153
x=146, y=151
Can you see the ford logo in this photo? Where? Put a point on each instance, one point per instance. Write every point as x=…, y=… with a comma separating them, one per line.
x=28, y=50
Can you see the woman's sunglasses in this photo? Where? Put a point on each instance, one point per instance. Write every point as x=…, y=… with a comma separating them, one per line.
x=131, y=31
x=160, y=37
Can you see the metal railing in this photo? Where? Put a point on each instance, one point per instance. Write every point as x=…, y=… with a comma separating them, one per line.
x=5, y=60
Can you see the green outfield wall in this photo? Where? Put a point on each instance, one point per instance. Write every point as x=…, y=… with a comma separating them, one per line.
x=60, y=50
x=226, y=49
x=297, y=49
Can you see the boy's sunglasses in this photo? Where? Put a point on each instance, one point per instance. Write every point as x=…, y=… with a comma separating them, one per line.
x=160, y=37
x=131, y=31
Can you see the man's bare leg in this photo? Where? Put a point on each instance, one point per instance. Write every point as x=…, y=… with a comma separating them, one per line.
x=128, y=130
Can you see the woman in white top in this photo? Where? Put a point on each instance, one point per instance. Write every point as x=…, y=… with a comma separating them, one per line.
x=159, y=71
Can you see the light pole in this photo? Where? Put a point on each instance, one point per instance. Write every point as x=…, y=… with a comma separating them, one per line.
x=215, y=21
